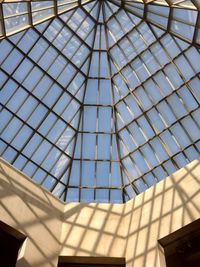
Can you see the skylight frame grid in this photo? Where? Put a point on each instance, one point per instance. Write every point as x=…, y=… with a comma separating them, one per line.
x=61, y=185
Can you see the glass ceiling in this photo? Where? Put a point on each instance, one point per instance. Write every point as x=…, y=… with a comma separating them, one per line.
x=99, y=100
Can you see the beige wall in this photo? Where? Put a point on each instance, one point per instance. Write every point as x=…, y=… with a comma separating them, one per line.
x=35, y=213
x=130, y=230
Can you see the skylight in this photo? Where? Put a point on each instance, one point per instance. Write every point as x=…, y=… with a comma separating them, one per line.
x=99, y=100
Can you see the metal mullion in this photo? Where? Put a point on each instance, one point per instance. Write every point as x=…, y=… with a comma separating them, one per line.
x=58, y=117
x=181, y=100
x=129, y=62
x=96, y=152
x=32, y=134
x=55, y=7
x=94, y=132
x=35, y=150
x=179, y=121
x=8, y=122
x=79, y=123
x=59, y=52
x=30, y=18
x=152, y=77
x=113, y=101
x=94, y=25
x=172, y=62
x=82, y=42
x=158, y=134
x=176, y=92
x=153, y=106
x=16, y=15
x=58, y=178
x=98, y=95
x=96, y=143
x=45, y=71
x=144, y=112
x=87, y=13
x=182, y=21
x=70, y=159
x=75, y=34
x=133, y=162
x=71, y=8
x=92, y=160
x=126, y=33
x=36, y=98
x=183, y=127
x=196, y=27
x=174, y=34
x=67, y=4
x=128, y=8
x=92, y=187
x=65, y=169
x=162, y=27
x=147, y=117
x=34, y=131
x=97, y=107
x=113, y=13
x=99, y=50
x=43, y=160
x=96, y=78
x=132, y=93
x=171, y=158
x=156, y=156
x=18, y=85
x=157, y=14
x=137, y=168
x=2, y=22
x=138, y=54
x=134, y=188
x=30, y=160
x=12, y=49
x=138, y=147
x=181, y=53
x=81, y=152
x=80, y=23
x=43, y=8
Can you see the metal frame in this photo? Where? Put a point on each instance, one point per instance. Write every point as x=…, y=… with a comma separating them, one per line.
x=132, y=175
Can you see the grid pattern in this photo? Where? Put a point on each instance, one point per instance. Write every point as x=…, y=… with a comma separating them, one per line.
x=180, y=17
x=100, y=103
x=18, y=15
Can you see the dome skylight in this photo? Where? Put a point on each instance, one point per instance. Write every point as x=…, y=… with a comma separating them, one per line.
x=99, y=100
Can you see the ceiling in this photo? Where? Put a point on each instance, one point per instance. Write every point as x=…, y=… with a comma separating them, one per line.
x=99, y=100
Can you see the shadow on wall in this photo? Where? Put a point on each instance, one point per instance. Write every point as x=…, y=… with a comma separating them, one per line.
x=34, y=212
x=133, y=229
x=128, y=230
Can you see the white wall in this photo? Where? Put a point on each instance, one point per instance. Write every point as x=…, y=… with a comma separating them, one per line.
x=128, y=230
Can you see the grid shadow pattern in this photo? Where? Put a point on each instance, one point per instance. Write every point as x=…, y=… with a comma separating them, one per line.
x=100, y=102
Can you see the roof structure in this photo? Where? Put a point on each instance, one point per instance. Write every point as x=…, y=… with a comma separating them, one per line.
x=99, y=100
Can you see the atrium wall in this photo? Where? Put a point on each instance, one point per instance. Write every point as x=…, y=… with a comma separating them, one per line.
x=130, y=230
x=35, y=213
